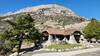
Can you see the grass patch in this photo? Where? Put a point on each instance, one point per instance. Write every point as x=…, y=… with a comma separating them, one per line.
x=62, y=46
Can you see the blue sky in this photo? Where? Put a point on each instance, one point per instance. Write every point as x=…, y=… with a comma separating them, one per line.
x=86, y=8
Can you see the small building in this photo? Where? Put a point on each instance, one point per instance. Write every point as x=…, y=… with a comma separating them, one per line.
x=70, y=35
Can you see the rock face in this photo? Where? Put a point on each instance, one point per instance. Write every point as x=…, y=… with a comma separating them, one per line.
x=50, y=15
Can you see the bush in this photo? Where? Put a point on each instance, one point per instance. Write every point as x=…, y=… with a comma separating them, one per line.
x=92, y=30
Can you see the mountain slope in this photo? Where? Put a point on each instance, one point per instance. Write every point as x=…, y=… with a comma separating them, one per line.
x=52, y=13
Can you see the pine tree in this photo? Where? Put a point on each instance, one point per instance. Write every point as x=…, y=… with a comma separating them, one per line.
x=22, y=28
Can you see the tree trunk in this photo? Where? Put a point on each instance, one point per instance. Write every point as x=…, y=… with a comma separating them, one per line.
x=20, y=43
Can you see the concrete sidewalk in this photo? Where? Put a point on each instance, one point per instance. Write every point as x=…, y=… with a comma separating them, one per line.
x=71, y=53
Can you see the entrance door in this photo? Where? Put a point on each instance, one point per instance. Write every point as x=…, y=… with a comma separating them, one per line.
x=77, y=35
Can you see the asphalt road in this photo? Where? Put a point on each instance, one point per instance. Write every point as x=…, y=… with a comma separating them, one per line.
x=96, y=53
x=85, y=52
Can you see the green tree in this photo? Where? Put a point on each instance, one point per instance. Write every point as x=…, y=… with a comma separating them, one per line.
x=92, y=29
x=23, y=28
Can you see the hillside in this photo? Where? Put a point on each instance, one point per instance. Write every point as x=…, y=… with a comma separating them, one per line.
x=50, y=15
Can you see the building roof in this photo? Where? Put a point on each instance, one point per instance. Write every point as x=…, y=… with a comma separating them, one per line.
x=56, y=31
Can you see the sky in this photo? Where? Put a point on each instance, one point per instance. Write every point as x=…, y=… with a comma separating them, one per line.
x=84, y=8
